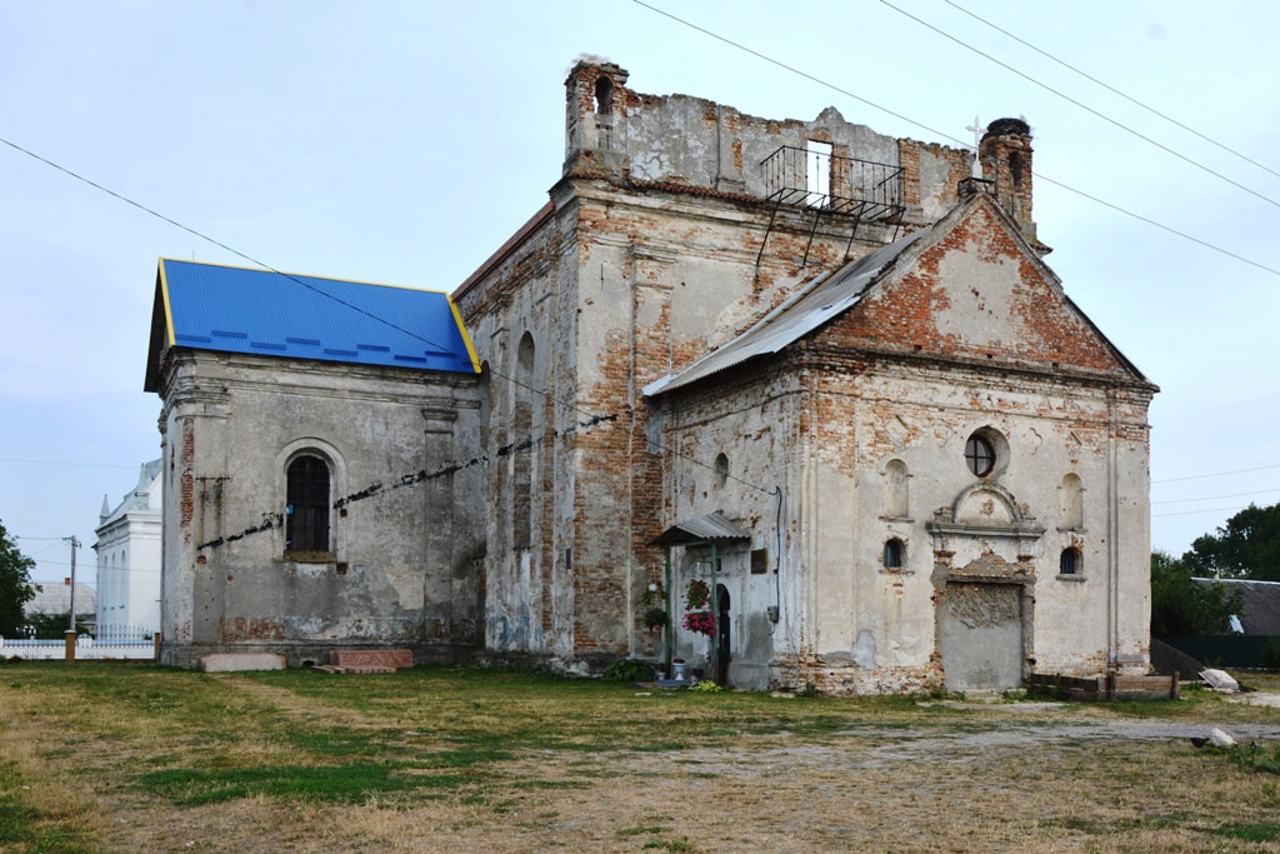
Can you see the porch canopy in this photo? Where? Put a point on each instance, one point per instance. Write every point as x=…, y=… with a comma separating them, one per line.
x=712, y=528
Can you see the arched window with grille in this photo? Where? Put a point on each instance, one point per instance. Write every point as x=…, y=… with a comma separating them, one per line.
x=893, y=553
x=307, y=505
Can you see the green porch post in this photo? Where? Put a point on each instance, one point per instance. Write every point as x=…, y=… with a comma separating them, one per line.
x=671, y=628
x=715, y=641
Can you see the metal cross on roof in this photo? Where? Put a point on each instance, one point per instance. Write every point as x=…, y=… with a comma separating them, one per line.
x=977, y=129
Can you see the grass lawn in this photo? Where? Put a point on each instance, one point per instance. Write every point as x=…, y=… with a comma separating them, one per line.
x=118, y=757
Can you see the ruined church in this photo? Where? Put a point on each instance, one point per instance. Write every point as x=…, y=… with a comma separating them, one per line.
x=788, y=402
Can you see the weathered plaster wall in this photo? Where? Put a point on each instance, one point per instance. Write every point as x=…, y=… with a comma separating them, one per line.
x=400, y=570
x=753, y=422
x=532, y=410
x=868, y=628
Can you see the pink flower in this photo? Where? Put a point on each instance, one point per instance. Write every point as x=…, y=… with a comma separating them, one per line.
x=701, y=622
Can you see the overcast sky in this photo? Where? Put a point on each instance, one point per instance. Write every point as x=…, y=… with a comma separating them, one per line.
x=403, y=142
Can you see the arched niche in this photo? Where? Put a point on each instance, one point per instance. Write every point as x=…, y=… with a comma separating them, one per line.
x=1071, y=500
x=895, y=490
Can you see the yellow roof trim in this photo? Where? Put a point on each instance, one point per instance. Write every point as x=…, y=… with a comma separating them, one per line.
x=261, y=269
x=168, y=309
x=462, y=330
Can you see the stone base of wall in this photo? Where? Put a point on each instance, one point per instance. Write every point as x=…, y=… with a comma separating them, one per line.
x=846, y=679
x=307, y=653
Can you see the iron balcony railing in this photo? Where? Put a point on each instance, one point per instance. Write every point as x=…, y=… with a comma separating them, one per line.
x=831, y=183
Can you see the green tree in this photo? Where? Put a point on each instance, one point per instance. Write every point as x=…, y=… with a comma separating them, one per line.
x=15, y=585
x=1180, y=606
x=1248, y=546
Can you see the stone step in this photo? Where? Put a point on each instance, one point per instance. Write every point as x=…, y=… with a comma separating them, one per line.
x=231, y=662
x=388, y=658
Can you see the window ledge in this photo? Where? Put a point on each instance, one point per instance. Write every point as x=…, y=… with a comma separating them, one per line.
x=1062, y=530
x=906, y=519
x=884, y=570
x=1076, y=577
x=309, y=557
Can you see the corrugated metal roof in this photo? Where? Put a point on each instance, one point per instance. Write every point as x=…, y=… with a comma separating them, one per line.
x=713, y=526
x=54, y=598
x=239, y=310
x=812, y=305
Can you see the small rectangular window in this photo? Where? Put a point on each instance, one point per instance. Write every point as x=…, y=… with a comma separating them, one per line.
x=759, y=561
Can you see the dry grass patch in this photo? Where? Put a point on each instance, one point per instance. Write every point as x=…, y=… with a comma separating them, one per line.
x=447, y=759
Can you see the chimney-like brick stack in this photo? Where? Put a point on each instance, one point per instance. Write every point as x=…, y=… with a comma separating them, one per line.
x=1006, y=159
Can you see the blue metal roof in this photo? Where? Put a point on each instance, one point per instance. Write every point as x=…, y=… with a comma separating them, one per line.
x=239, y=310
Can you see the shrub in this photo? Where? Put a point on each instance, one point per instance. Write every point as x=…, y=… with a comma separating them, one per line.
x=629, y=670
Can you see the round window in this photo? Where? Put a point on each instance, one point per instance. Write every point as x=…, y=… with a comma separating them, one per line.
x=980, y=455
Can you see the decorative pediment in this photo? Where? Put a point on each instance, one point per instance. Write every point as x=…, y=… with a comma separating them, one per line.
x=985, y=509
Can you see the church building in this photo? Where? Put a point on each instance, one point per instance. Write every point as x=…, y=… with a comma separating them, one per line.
x=791, y=402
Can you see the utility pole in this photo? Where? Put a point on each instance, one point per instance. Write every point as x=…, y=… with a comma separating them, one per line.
x=70, y=650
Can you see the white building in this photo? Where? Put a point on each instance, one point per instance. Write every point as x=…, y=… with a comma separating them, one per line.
x=128, y=550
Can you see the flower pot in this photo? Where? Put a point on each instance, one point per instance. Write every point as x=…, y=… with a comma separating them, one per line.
x=679, y=671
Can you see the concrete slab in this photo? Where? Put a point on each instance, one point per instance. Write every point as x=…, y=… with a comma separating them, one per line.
x=231, y=662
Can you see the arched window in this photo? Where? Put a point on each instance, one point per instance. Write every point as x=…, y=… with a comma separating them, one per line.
x=893, y=553
x=1070, y=563
x=722, y=470
x=307, y=505
x=1072, y=500
x=525, y=352
x=895, y=489
x=522, y=460
x=604, y=96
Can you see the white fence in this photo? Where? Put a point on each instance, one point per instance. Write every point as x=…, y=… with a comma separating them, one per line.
x=111, y=642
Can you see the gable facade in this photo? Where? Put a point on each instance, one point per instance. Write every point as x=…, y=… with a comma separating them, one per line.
x=660, y=246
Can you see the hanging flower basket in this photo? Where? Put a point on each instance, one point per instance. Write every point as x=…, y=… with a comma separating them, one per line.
x=655, y=618
x=701, y=622
x=698, y=595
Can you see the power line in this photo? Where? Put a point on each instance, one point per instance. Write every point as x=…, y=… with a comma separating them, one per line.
x=63, y=463
x=1114, y=90
x=245, y=256
x=1215, y=474
x=595, y=418
x=543, y=392
x=960, y=142
x=42, y=550
x=1194, y=512
x=1083, y=106
x=1215, y=497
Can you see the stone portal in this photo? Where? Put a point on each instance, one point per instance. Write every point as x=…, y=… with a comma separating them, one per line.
x=982, y=646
